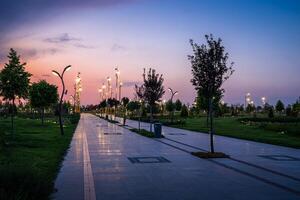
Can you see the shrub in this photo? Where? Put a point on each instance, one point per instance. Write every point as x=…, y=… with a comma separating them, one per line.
x=184, y=111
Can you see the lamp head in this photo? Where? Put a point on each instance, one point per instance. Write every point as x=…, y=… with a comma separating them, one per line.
x=55, y=73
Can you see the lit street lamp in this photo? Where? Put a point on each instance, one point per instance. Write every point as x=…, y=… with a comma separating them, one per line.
x=100, y=94
x=173, y=93
x=117, y=83
x=61, y=76
x=109, y=90
x=120, y=89
x=264, y=100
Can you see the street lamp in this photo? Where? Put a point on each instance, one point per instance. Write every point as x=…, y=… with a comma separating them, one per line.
x=117, y=82
x=61, y=76
x=173, y=93
x=120, y=88
x=109, y=91
x=100, y=94
x=247, y=99
x=264, y=100
x=103, y=91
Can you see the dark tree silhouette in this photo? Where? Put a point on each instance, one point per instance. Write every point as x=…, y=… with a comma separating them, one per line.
x=14, y=81
x=178, y=105
x=184, y=111
x=43, y=95
x=279, y=106
x=151, y=91
x=210, y=70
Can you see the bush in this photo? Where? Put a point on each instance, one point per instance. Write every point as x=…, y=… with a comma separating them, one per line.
x=74, y=118
x=271, y=113
x=20, y=182
x=184, y=111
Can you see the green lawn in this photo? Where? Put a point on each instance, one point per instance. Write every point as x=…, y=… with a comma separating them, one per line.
x=230, y=126
x=30, y=158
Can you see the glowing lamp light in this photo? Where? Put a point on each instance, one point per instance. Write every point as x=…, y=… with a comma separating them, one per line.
x=68, y=68
x=55, y=73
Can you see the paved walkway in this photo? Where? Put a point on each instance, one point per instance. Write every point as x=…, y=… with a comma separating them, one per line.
x=107, y=161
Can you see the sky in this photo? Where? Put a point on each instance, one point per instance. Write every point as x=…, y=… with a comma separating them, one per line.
x=262, y=38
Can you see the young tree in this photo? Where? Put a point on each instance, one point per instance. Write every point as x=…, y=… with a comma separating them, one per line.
x=210, y=69
x=279, y=106
x=151, y=91
x=203, y=102
x=125, y=102
x=178, y=105
x=170, y=106
x=42, y=95
x=14, y=81
x=184, y=111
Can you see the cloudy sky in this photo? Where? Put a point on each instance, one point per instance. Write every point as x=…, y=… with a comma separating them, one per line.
x=94, y=36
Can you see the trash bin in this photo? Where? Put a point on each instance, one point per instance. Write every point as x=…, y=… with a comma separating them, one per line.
x=157, y=130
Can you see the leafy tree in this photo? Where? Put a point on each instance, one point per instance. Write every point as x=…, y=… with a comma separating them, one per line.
x=42, y=95
x=151, y=91
x=289, y=111
x=279, y=106
x=178, y=105
x=133, y=105
x=210, y=70
x=14, y=81
x=125, y=102
x=250, y=108
x=184, y=111
x=169, y=106
x=203, y=102
x=271, y=112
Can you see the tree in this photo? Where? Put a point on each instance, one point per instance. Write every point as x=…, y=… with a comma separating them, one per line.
x=279, y=106
x=42, y=95
x=184, y=111
x=210, y=70
x=270, y=112
x=151, y=91
x=14, y=81
x=170, y=106
x=178, y=105
x=125, y=102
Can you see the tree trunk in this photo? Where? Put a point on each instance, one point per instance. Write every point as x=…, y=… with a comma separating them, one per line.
x=211, y=132
x=151, y=118
x=43, y=114
x=140, y=114
x=12, y=115
x=172, y=115
x=207, y=118
x=124, y=119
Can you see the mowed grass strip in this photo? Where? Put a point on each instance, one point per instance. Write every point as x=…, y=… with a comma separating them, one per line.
x=232, y=127
x=31, y=157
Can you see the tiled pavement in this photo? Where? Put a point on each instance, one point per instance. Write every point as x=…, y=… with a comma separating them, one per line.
x=107, y=161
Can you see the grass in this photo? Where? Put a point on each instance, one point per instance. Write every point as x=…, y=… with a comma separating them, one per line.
x=232, y=127
x=30, y=158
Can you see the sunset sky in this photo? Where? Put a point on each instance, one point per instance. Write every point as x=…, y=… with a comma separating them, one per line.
x=94, y=36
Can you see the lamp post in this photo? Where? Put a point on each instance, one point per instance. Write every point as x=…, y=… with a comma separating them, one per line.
x=109, y=91
x=120, y=90
x=103, y=91
x=264, y=100
x=100, y=94
x=247, y=100
x=117, y=83
x=61, y=76
x=173, y=93
x=78, y=89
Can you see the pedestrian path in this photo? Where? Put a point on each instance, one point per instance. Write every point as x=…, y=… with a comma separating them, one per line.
x=106, y=161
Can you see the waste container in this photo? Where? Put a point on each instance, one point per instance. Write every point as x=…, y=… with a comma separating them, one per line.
x=157, y=130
